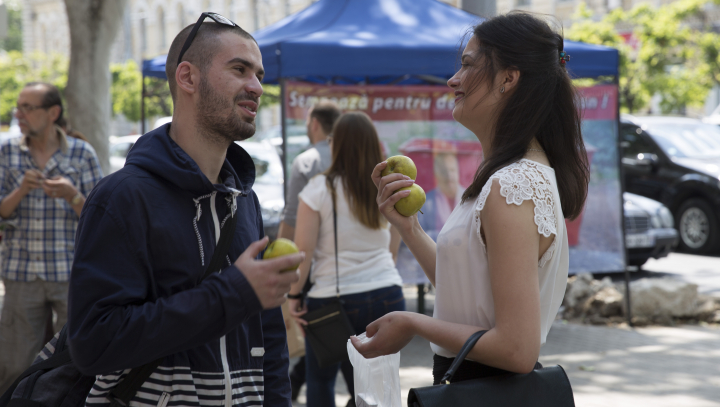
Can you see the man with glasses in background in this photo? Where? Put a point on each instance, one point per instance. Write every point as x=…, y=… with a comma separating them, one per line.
x=150, y=230
x=44, y=179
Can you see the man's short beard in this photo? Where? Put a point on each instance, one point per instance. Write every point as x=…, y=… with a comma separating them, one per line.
x=217, y=120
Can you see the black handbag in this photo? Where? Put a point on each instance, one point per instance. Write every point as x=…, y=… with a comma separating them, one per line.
x=328, y=328
x=545, y=387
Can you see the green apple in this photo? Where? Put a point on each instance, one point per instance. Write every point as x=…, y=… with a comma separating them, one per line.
x=282, y=247
x=412, y=203
x=400, y=164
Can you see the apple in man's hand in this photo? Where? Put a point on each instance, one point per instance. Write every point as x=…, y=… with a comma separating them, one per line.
x=281, y=247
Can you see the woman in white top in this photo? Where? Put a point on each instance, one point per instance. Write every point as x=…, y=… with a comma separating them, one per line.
x=369, y=283
x=501, y=260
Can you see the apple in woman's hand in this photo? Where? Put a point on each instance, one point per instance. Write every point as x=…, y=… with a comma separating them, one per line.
x=400, y=164
x=412, y=203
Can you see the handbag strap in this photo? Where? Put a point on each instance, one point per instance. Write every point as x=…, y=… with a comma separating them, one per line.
x=121, y=394
x=467, y=347
x=337, y=267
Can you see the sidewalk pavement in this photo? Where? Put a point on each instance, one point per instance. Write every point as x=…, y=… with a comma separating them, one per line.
x=607, y=366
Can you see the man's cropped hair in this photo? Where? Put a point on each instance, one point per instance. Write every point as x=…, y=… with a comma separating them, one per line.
x=50, y=98
x=202, y=49
x=326, y=113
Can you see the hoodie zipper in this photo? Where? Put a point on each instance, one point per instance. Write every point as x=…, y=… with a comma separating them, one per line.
x=223, y=345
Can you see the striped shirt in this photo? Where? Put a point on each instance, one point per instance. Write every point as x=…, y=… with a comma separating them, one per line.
x=176, y=386
x=39, y=237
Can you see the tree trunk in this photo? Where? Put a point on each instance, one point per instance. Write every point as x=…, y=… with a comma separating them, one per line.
x=93, y=26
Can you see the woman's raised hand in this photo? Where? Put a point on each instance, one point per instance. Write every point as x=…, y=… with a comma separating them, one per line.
x=387, y=198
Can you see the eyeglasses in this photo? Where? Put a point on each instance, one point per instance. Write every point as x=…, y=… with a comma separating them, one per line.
x=216, y=17
x=25, y=109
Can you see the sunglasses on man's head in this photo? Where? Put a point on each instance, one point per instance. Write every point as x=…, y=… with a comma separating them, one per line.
x=215, y=17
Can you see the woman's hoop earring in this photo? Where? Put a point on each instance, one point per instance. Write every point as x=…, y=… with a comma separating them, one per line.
x=502, y=90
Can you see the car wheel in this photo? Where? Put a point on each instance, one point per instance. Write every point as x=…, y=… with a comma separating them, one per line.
x=698, y=227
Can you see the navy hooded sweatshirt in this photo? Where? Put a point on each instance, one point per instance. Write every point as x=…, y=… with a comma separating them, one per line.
x=145, y=237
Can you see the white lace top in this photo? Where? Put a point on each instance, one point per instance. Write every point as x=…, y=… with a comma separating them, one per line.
x=462, y=279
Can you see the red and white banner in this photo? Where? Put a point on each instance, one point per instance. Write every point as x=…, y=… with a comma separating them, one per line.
x=599, y=102
x=380, y=102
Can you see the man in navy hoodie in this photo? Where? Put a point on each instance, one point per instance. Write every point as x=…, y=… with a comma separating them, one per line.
x=148, y=232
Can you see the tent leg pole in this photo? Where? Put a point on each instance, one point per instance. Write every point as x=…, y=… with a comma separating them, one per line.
x=283, y=119
x=621, y=172
x=142, y=107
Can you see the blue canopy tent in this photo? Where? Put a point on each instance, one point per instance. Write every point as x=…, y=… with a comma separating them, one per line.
x=380, y=42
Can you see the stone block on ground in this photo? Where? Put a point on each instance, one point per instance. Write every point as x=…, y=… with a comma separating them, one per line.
x=580, y=289
x=655, y=298
x=608, y=302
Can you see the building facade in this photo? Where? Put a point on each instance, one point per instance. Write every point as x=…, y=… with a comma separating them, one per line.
x=149, y=26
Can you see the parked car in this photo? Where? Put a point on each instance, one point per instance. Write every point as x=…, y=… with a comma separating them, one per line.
x=676, y=161
x=297, y=140
x=714, y=117
x=119, y=148
x=649, y=229
x=268, y=176
x=13, y=130
x=163, y=120
x=268, y=185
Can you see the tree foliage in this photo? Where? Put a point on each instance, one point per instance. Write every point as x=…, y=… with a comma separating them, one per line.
x=676, y=57
x=16, y=70
x=126, y=91
x=13, y=41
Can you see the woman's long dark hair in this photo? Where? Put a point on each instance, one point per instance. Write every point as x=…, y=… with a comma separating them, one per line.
x=543, y=105
x=355, y=152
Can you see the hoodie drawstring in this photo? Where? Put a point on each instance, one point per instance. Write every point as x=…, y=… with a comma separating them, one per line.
x=231, y=200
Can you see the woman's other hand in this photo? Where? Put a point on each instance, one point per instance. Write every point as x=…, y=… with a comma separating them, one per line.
x=298, y=308
x=389, y=334
x=387, y=198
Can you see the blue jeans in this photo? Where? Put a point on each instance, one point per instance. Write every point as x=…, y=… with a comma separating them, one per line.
x=361, y=309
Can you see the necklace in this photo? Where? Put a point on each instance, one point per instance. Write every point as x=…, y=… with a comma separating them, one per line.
x=535, y=149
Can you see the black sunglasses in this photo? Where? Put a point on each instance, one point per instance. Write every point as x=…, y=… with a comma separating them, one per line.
x=216, y=17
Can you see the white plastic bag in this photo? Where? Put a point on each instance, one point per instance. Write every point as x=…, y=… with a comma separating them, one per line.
x=377, y=380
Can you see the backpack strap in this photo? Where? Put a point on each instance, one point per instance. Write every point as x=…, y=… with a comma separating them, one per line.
x=121, y=394
x=58, y=358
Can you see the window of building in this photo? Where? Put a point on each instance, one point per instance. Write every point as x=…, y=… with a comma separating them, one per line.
x=143, y=35
x=161, y=28
x=230, y=9
x=181, y=16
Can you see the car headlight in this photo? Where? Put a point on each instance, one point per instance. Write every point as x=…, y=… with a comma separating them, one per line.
x=655, y=221
x=271, y=210
x=666, y=217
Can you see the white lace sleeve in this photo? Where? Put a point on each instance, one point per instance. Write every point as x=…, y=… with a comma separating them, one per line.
x=519, y=182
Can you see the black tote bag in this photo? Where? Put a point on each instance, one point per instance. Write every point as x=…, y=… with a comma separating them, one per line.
x=545, y=387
